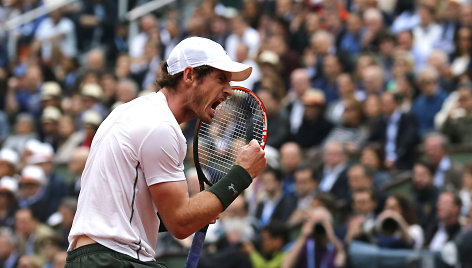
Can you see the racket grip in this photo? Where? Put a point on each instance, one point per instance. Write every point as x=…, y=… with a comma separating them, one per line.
x=196, y=248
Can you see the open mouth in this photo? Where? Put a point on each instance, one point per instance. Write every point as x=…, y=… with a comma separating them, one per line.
x=216, y=103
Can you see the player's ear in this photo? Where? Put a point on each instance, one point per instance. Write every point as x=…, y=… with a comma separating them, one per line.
x=188, y=75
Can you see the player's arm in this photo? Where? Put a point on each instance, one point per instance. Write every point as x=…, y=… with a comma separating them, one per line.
x=183, y=215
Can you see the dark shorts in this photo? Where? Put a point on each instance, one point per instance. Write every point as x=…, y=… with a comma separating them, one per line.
x=96, y=255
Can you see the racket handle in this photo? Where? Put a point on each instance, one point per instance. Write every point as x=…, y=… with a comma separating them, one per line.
x=196, y=248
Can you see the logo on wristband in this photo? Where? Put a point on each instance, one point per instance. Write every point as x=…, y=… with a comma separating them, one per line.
x=231, y=187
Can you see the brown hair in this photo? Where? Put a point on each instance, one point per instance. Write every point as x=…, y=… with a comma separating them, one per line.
x=171, y=81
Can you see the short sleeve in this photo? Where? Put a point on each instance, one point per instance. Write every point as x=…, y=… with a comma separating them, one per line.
x=161, y=155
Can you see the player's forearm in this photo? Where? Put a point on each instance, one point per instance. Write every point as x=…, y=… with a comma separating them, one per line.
x=196, y=214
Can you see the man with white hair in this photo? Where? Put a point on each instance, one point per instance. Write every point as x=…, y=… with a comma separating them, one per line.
x=430, y=100
x=374, y=23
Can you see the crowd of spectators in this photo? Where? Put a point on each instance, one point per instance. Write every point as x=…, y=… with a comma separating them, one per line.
x=361, y=95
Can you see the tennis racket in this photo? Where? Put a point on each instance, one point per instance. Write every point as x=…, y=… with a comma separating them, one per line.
x=238, y=120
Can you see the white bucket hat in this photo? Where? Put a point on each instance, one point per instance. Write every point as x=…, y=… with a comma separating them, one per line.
x=198, y=51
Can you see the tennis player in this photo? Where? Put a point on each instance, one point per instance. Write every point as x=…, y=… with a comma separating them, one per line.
x=135, y=166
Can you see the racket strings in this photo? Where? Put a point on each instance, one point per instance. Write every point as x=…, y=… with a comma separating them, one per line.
x=237, y=121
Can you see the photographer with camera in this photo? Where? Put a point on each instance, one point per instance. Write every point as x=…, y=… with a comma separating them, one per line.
x=396, y=226
x=317, y=245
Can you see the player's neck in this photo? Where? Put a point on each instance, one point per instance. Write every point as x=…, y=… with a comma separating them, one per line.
x=176, y=102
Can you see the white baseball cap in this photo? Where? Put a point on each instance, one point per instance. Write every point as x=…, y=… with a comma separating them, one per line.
x=198, y=51
x=9, y=184
x=33, y=174
x=41, y=153
x=10, y=156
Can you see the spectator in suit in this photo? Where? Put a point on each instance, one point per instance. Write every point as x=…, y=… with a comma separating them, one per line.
x=305, y=191
x=361, y=177
x=299, y=84
x=119, y=43
x=327, y=82
x=333, y=176
x=274, y=206
x=430, y=100
x=398, y=131
x=447, y=227
x=291, y=156
x=448, y=173
x=314, y=127
x=424, y=194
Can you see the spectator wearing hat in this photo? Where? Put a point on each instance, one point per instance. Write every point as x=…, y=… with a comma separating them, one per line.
x=314, y=127
x=9, y=161
x=91, y=98
x=55, y=189
x=51, y=94
x=48, y=131
x=91, y=120
x=32, y=192
x=8, y=201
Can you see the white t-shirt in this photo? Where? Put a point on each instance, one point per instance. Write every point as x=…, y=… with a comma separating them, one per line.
x=139, y=144
x=48, y=29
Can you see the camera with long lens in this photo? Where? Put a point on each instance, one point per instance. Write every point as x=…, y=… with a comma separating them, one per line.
x=319, y=232
x=388, y=226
